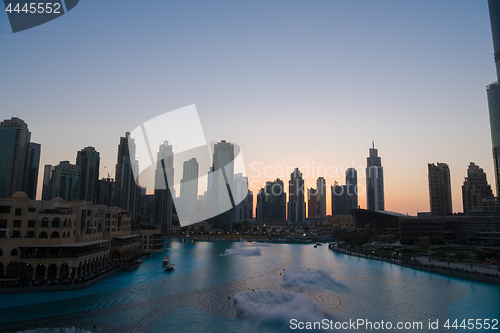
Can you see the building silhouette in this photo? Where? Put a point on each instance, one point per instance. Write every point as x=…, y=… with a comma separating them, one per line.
x=47, y=173
x=312, y=203
x=127, y=190
x=65, y=182
x=243, y=210
x=345, y=198
x=260, y=205
x=275, y=201
x=475, y=189
x=440, y=189
x=164, y=180
x=493, y=91
x=296, y=202
x=88, y=160
x=374, y=181
x=19, y=159
x=189, y=191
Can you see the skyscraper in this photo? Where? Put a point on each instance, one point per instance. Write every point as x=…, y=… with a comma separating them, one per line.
x=321, y=198
x=261, y=205
x=440, y=189
x=296, y=202
x=31, y=169
x=47, y=174
x=475, y=188
x=127, y=191
x=374, y=181
x=345, y=197
x=312, y=203
x=222, y=183
x=19, y=160
x=163, y=197
x=65, y=181
x=275, y=198
x=88, y=160
x=243, y=210
x=189, y=191
x=493, y=90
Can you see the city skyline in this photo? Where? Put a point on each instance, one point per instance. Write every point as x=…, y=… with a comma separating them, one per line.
x=417, y=65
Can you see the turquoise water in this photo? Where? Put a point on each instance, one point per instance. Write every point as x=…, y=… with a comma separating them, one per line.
x=199, y=294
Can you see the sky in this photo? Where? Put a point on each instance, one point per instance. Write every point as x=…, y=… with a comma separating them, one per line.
x=303, y=84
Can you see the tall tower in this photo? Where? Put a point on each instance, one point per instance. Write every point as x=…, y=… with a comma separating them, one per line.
x=440, y=189
x=126, y=189
x=493, y=90
x=321, y=197
x=163, y=197
x=296, y=202
x=189, y=190
x=65, y=181
x=475, y=188
x=47, y=174
x=241, y=210
x=275, y=197
x=351, y=190
x=18, y=159
x=88, y=160
x=222, y=160
x=374, y=181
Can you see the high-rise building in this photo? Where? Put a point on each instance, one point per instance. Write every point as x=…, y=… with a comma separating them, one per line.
x=189, y=191
x=106, y=191
x=345, y=197
x=493, y=90
x=127, y=190
x=163, y=203
x=47, y=174
x=475, y=188
x=88, y=160
x=65, y=181
x=31, y=171
x=19, y=160
x=312, y=203
x=261, y=205
x=243, y=210
x=321, y=198
x=275, y=198
x=374, y=181
x=440, y=189
x=223, y=158
x=296, y=202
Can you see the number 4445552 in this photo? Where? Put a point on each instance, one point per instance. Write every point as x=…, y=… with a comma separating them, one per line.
x=40, y=8
x=486, y=324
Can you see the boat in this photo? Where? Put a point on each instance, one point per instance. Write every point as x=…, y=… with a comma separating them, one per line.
x=166, y=260
x=315, y=245
x=319, y=244
x=169, y=268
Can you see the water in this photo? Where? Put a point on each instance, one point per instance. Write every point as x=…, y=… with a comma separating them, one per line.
x=199, y=294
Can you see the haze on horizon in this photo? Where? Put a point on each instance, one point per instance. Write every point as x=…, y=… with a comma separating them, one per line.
x=290, y=82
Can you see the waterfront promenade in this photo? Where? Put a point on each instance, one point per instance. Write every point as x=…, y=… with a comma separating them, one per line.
x=477, y=273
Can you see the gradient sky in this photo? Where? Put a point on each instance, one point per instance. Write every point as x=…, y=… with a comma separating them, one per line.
x=293, y=83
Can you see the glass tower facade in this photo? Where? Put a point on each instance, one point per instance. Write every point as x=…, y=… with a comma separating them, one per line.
x=493, y=90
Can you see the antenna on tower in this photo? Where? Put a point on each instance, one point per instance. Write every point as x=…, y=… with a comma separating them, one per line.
x=373, y=144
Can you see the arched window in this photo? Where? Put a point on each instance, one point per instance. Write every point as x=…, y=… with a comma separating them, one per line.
x=45, y=222
x=1, y=252
x=55, y=222
x=64, y=235
x=13, y=253
x=43, y=234
x=55, y=234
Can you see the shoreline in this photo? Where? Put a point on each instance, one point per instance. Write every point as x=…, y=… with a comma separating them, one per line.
x=431, y=268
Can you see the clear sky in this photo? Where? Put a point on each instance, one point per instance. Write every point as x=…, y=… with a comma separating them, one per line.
x=293, y=83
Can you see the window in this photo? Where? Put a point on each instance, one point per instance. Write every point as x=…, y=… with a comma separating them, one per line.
x=13, y=252
x=17, y=223
x=19, y=211
x=43, y=234
x=16, y=234
x=4, y=209
x=30, y=234
x=3, y=223
x=31, y=223
x=31, y=209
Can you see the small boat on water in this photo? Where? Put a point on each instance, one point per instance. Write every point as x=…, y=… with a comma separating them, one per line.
x=169, y=268
x=166, y=260
x=315, y=245
x=319, y=244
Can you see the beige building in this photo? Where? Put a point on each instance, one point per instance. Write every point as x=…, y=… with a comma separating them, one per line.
x=341, y=221
x=59, y=239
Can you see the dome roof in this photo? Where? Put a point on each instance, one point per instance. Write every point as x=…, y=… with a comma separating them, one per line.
x=20, y=195
x=57, y=199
